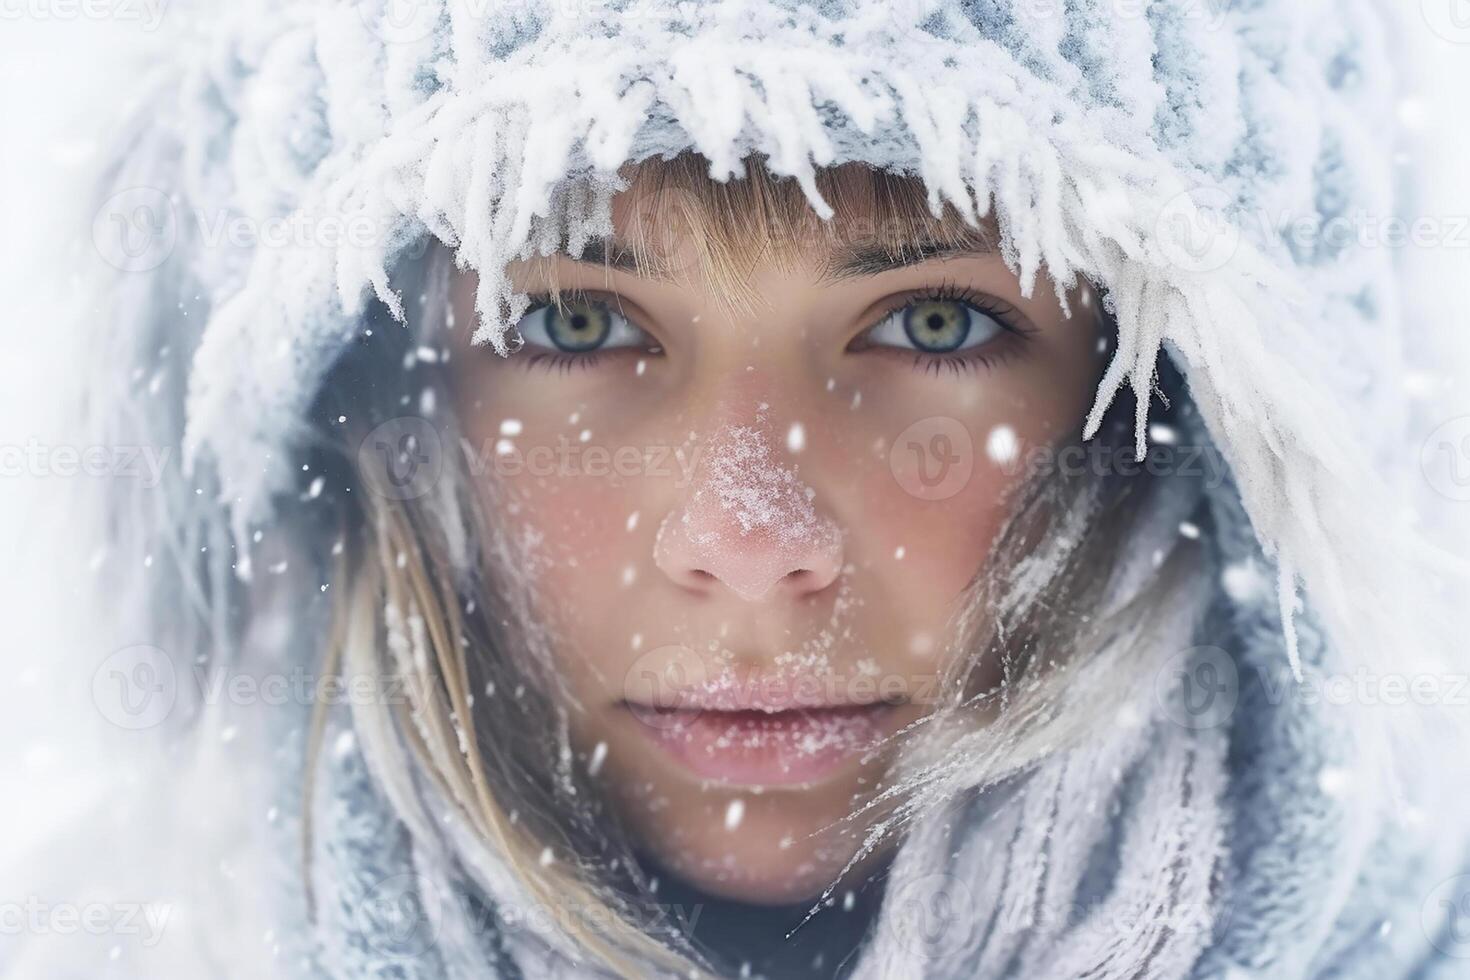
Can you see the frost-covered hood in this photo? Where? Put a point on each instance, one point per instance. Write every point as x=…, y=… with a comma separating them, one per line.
x=1162, y=151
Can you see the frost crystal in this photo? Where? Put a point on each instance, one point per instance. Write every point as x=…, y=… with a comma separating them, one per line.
x=734, y=814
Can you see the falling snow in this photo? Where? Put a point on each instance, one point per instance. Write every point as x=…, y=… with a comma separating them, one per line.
x=734, y=814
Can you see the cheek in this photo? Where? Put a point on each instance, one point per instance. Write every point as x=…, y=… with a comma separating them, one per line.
x=923, y=554
x=588, y=567
x=945, y=539
x=926, y=477
x=587, y=558
x=927, y=483
x=561, y=501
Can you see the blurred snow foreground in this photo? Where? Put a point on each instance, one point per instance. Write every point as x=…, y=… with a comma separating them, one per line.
x=1163, y=156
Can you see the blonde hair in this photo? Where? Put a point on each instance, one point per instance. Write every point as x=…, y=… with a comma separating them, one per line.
x=425, y=569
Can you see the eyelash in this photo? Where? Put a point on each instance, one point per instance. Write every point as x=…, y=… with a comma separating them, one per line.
x=1016, y=331
x=565, y=362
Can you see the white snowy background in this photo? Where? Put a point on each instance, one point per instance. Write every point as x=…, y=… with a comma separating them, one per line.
x=61, y=69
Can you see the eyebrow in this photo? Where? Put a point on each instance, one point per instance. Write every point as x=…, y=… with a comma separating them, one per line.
x=846, y=262
x=613, y=254
x=872, y=260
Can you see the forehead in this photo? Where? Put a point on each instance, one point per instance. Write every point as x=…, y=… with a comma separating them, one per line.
x=832, y=259
x=674, y=224
x=762, y=213
x=673, y=213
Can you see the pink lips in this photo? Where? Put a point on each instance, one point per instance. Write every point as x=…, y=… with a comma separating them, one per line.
x=762, y=747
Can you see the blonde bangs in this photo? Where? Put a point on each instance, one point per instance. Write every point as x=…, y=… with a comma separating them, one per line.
x=732, y=227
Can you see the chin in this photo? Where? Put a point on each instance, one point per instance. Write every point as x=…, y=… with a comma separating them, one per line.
x=780, y=878
x=786, y=850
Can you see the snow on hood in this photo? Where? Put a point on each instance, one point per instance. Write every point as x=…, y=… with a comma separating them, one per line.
x=1163, y=151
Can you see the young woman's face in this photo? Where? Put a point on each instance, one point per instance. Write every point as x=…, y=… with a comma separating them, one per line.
x=748, y=532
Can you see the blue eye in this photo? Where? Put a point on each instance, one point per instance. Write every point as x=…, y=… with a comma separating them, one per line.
x=936, y=326
x=578, y=326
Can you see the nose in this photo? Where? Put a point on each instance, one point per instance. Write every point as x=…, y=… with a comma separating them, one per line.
x=749, y=525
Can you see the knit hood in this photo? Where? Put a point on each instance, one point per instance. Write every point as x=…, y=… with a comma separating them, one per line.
x=1169, y=152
